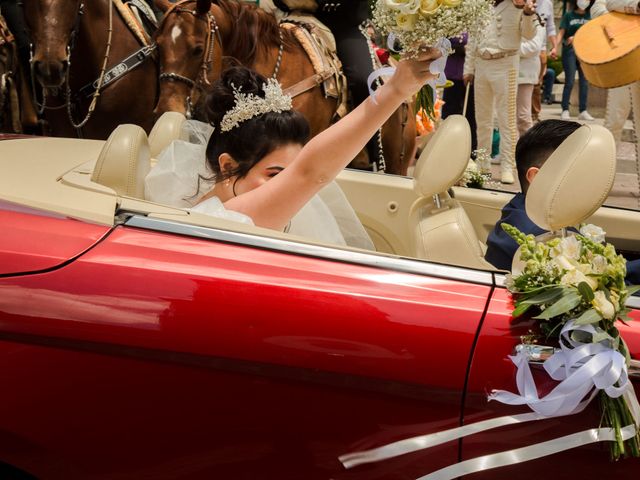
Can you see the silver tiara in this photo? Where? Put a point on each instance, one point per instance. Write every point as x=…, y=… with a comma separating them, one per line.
x=249, y=105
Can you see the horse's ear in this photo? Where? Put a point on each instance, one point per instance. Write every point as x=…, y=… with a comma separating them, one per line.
x=203, y=6
x=162, y=5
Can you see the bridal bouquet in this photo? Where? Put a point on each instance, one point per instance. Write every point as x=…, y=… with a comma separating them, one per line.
x=575, y=287
x=418, y=23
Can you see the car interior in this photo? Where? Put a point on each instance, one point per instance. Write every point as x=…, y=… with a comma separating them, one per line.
x=425, y=217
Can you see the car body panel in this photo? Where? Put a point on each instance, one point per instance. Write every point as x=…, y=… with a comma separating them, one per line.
x=492, y=369
x=230, y=361
x=34, y=240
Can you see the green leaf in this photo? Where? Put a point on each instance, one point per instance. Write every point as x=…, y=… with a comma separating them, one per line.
x=586, y=291
x=633, y=289
x=568, y=302
x=590, y=316
x=546, y=296
x=521, y=309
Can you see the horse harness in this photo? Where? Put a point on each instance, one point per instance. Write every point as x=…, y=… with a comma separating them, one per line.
x=213, y=32
x=8, y=87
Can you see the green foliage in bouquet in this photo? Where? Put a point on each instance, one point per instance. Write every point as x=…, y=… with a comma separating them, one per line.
x=579, y=278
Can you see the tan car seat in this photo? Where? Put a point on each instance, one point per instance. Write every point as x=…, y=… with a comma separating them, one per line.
x=441, y=229
x=573, y=183
x=166, y=129
x=124, y=161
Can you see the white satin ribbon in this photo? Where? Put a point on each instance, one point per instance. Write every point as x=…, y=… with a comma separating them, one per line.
x=581, y=369
x=436, y=67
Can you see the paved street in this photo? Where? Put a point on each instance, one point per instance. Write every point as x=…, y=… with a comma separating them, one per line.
x=625, y=192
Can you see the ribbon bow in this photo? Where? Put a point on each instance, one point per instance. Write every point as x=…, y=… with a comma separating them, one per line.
x=436, y=68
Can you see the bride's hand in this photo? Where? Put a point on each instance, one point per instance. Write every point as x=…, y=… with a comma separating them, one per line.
x=412, y=73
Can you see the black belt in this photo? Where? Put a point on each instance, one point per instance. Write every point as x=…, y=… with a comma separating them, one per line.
x=121, y=69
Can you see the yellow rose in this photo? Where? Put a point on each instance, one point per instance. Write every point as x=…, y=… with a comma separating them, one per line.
x=403, y=6
x=450, y=3
x=429, y=7
x=406, y=21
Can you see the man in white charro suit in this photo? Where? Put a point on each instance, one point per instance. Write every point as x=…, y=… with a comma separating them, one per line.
x=621, y=100
x=491, y=63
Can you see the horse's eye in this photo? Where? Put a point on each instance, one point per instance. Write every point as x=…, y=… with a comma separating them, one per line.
x=198, y=50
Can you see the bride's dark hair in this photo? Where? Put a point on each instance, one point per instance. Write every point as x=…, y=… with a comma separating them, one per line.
x=253, y=139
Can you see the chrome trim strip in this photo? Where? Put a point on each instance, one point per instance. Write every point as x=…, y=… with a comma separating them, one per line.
x=376, y=260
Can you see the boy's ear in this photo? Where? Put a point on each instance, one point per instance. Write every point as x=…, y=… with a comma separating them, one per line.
x=531, y=173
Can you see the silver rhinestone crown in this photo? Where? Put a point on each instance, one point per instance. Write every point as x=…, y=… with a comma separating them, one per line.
x=249, y=105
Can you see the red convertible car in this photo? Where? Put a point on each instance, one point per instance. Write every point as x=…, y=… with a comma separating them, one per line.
x=142, y=341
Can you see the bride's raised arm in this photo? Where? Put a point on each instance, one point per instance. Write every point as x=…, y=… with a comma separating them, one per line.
x=275, y=202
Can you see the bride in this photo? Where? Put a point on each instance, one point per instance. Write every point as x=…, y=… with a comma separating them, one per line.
x=265, y=170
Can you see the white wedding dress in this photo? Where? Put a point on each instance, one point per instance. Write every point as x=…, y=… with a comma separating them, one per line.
x=181, y=176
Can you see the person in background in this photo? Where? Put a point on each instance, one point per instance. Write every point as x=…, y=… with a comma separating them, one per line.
x=528, y=77
x=453, y=96
x=570, y=24
x=545, y=11
x=547, y=85
x=491, y=63
x=624, y=100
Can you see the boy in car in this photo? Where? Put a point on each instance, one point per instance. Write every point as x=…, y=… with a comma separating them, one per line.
x=532, y=150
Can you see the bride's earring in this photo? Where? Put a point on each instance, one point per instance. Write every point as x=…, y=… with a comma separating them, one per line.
x=227, y=182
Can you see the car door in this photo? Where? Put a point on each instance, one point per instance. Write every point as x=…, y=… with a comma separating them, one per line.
x=492, y=369
x=173, y=351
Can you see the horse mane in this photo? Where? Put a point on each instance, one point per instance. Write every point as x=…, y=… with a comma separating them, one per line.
x=253, y=33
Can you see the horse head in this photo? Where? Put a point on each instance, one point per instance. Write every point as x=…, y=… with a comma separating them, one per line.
x=52, y=26
x=189, y=53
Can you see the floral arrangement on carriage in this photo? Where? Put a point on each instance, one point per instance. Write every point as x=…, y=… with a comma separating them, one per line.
x=574, y=286
x=415, y=24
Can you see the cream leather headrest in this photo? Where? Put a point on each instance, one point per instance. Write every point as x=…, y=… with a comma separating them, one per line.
x=445, y=158
x=574, y=181
x=167, y=129
x=124, y=161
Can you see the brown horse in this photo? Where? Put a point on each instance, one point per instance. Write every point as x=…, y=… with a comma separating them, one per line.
x=75, y=43
x=17, y=112
x=196, y=36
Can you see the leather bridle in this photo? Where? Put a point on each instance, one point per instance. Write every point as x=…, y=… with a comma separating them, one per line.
x=213, y=31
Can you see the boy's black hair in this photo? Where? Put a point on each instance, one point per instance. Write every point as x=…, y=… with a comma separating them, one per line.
x=538, y=143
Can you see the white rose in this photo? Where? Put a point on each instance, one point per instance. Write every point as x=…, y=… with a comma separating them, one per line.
x=450, y=3
x=403, y=6
x=593, y=233
x=429, y=7
x=406, y=21
x=603, y=306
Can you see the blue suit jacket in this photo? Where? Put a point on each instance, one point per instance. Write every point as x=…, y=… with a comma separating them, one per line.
x=501, y=247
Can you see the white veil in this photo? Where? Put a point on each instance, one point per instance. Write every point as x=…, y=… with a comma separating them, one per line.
x=181, y=176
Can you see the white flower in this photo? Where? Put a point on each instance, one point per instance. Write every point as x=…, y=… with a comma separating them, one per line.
x=593, y=232
x=574, y=277
x=403, y=6
x=450, y=3
x=603, y=306
x=429, y=7
x=406, y=21
x=570, y=247
x=563, y=263
x=599, y=264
